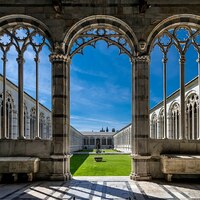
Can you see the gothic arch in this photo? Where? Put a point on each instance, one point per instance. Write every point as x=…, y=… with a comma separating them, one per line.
x=101, y=22
x=13, y=20
x=180, y=19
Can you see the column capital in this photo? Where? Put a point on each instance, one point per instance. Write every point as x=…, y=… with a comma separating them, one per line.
x=4, y=58
x=182, y=59
x=141, y=58
x=20, y=59
x=55, y=57
x=36, y=59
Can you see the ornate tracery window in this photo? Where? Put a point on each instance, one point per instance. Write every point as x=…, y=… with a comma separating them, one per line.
x=21, y=37
x=9, y=115
x=153, y=124
x=192, y=116
x=174, y=121
x=32, y=123
x=42, y=125
x=182, y=36
x=160, y=130
x=90, y=36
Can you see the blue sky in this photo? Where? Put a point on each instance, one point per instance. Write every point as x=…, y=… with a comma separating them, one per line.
x=100, y=84
x=100, y=88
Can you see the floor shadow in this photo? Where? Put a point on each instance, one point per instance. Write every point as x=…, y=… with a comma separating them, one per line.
x=76, y=161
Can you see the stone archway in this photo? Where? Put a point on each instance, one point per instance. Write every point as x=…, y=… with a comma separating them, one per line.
x=140, y=62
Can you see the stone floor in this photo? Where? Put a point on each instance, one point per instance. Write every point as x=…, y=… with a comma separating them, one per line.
x=101, y=188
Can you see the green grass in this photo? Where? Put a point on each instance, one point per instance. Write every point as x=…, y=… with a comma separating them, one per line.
x=112, y=165
x=94, y=150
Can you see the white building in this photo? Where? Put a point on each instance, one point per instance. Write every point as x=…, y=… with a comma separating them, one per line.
x=91, y=139
x=122, y=139
x=173, y=115
x=29, y=114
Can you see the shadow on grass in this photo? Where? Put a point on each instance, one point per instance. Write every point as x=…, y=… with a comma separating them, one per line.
x=77, y=161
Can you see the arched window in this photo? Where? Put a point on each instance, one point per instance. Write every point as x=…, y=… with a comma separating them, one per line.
x=26, y=130
x=26, y=42
x=9, y=115
x=160, y=130
x=153, y=125
x=109, y=140
x=32, y=123
x=179, y=45
x=103, y=141
x=92, y=141
x=192, y=116
x=174, y=120
x=48, y=128
x=42, y=126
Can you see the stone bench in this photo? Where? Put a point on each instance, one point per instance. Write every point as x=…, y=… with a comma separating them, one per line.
x=98, y=159
x=18, y=165
x=179, y=164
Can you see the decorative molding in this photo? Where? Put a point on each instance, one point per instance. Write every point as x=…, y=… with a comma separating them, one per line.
x=54, y=57
x=142, y=58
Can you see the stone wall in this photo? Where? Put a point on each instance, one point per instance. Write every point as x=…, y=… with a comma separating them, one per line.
x=30, y=148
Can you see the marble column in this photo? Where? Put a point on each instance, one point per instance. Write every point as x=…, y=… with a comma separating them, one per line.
x=182, y=98
x=140, y=118
x=61, y=117
x=198, y=131
x=20, y=61
x=37, y=132
x=164, y=136
x=4, y=133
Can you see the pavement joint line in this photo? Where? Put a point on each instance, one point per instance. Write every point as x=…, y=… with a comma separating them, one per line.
x=131, y=193
x=7, y=195
x=142, y=191
x=104, y=190
x=53, y=191
x=185, y=195
x=28, y=189
x=93, y=188
x=168, y=191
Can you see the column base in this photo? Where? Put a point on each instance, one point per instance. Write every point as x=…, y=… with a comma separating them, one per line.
x=61, y=177
x=136, y=177
x=21, y=138
x=37, y=138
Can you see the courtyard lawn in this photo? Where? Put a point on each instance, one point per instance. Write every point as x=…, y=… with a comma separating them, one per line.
x=94, y=150
x=112, y=165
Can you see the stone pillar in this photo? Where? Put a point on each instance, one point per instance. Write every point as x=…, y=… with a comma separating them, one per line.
x=165, y=95
x=182, y=98
x=61, y=117
x=4, y=133
x=37, y=132
x=20, y=61
x=140, y=119
x=198, y=131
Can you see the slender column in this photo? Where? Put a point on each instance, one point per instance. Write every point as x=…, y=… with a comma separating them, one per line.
x=182, y=98
x=165, y=95
x=192, y=121
x=169, y=127
x=158, y=129
x=37, y=131
x=4, y=133
x=176, y=125
x=20, y=61
x=140, y=119
x=198, y=60
x=197, y=122
x=0, y=120
x=186, y=125
x=189, y=124
x=61, y=117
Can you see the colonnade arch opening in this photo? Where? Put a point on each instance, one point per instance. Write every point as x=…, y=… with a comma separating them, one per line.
x=25, y=82
x=100, y=99
x=175, y=70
